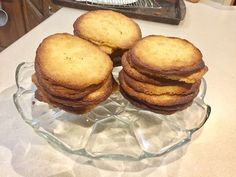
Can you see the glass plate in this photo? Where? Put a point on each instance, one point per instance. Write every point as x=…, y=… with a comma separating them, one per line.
x=115, y=129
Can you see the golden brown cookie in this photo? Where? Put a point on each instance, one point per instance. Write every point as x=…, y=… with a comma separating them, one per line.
x=158, y=100
x=76, y=110
x=91, y=99
x=145, y=106
x=108, y=29
x=59, y=91
x=150, y=89
x=154, y=77
x=72, y=62
x=166, y=56
x=191, y=78
x=132, y=72
x=164, y=108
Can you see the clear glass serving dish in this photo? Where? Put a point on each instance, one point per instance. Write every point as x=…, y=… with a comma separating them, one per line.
x=115, y=129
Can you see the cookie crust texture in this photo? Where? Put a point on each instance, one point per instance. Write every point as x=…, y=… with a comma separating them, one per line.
x=78, y=58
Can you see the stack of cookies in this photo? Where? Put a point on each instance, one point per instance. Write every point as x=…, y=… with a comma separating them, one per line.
x=162, y=74
x=111, y=31
x=72, y=73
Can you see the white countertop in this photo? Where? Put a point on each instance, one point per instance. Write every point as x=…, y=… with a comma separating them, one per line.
x=211, y=153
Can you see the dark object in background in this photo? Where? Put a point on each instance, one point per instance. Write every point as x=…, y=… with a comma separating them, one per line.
x=171, y=11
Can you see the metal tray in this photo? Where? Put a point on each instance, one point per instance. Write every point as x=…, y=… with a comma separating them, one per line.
x=169, y=11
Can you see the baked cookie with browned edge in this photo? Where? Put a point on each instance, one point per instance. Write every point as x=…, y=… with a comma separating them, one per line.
x=157, y=109
x=72, y=62
x=135, y=74
x=162, y=74
x=151, y=89
x=60, y=91
x=92, y=98
x=156, y=100
x=113, y=32
x=73, y=109
x=169, y=57
x=72, y=73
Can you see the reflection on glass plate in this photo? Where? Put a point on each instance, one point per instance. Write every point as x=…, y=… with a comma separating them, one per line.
x=115, y=129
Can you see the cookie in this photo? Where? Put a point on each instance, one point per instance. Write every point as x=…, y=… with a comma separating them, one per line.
x=162, y=74
x=72, y=62
x=59, y=91
x=150, y=89
x=132, y=72
x=76, y=110
x=107, y=28
x=166, y=56
x=158, y=100
x=111, y=31
x=144, y=106
x=187, y=78
x=91, y=99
